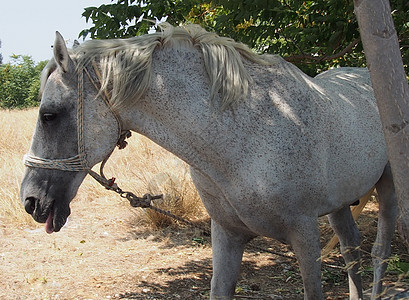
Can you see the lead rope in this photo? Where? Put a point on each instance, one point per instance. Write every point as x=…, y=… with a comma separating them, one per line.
x=135, y=201
x=143, y=202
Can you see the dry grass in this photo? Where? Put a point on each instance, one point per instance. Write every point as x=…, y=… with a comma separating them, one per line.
x=17, y=128
x=141, y=167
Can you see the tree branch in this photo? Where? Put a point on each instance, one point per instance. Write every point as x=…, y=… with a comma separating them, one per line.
x=317, y=59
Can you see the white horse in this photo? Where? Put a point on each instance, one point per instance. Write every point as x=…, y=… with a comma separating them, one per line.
x=270, y=148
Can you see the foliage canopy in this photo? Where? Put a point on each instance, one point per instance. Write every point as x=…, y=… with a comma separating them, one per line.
x=315, y=35
x=20, y=82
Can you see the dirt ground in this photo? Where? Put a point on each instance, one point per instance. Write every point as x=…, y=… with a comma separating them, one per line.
x=103, y=253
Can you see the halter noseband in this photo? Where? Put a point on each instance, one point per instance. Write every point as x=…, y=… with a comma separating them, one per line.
x=79, y=162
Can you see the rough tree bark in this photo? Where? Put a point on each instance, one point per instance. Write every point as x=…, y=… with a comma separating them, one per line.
x=391, y=89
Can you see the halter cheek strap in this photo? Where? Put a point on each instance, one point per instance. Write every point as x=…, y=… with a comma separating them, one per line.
x=79, y=162
x=74, y=163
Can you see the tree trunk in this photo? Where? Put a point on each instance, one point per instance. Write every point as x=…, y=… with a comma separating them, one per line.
x=391, y=89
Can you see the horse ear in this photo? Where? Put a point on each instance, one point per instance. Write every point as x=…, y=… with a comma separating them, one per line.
x=61, y=53
x=75, y=45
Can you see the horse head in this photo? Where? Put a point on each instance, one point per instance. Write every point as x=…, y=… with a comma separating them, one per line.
x=75, y=130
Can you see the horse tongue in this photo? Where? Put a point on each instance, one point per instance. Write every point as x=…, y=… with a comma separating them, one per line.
x=49, y=227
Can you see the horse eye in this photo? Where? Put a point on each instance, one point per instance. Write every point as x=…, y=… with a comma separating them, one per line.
x=47, y=117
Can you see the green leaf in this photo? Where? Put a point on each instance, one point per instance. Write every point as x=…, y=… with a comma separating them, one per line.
x=284, y=27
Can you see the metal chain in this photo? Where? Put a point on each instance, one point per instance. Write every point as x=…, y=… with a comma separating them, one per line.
x=146, y=202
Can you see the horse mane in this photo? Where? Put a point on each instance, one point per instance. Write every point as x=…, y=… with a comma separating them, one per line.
x=125, y=64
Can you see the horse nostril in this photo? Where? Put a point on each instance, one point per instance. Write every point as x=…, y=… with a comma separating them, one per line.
x=30, y=205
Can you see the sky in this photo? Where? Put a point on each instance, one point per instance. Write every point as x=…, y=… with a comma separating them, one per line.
x=27, y=27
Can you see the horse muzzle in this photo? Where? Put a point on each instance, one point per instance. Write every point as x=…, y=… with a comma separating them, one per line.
x=46, y=195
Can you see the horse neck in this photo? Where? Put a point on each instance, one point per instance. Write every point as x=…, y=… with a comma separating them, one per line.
x=176, y=112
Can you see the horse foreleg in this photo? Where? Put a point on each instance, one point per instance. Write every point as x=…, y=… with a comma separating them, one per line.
x=304, y=238
x=386, y=227
x=350, y=240
x=227, y=251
